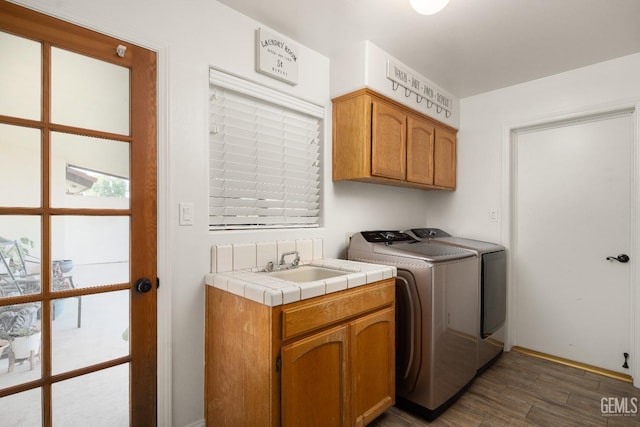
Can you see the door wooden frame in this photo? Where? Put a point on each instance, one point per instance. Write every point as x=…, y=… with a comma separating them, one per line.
x=509, y=152
x=163, y=267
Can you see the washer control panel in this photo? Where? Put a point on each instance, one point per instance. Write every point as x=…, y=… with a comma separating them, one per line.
x=387, y=237
x=429, y=233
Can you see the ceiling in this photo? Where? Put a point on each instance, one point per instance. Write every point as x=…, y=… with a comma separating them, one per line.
x=472, y=46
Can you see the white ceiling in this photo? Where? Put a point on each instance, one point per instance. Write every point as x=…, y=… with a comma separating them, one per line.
x=472, y=46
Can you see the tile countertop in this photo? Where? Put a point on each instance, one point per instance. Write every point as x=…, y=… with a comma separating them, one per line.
x=272, y=291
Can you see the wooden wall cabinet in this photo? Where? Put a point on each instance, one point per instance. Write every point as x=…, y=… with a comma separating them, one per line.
x=378, y=140
x=327, y=361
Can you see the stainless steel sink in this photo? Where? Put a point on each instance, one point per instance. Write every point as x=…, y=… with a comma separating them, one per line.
x=307, y=273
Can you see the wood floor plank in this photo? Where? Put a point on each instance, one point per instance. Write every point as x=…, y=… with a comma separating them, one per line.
x=568, y=382
x=496, y=404
x=535, y=395
x=622, y=421
x=543, y=417
x=620, y=389
x=522, y=390
x=457, y=416
x=585, y=404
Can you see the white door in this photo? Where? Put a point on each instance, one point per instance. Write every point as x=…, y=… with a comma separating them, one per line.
x=573, y=193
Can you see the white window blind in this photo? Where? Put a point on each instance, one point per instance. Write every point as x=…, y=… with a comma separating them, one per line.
x=264, y=157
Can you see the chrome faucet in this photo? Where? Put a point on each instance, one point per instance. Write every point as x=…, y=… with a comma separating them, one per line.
x=293, y=264
x=270, y=267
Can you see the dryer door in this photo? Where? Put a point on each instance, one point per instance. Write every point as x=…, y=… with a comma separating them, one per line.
x=408, y=332
x=494, y=292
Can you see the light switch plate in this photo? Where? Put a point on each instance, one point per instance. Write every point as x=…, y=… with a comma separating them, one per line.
x=185, y=213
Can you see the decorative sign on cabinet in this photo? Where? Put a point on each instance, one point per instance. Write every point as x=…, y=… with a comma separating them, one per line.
x=378, y=140
x=421, y=88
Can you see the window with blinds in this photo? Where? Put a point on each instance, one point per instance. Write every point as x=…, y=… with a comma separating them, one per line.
x=264, y=157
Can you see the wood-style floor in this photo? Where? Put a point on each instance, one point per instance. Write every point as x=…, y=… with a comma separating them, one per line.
x=522, y=390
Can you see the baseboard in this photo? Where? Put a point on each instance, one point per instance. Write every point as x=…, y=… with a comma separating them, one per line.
x=579, y=365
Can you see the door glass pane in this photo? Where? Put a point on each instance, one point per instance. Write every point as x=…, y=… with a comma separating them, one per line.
x=90, y=329
x=89, y=93
x=22, y=409
x=20, y=341
x=89, y=172
x=20, y=179
x=20, y=77
x=20, y=249
x=99, y=399
x=94, y=251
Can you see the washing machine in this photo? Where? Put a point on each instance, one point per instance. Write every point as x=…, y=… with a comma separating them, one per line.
x=492, y=273
x=437, y=316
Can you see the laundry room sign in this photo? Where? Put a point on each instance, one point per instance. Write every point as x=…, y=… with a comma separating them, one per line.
x=276, y=56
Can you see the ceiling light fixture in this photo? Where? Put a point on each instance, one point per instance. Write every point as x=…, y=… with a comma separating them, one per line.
x=428, y=7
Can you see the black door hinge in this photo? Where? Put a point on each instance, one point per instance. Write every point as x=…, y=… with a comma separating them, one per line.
x=278, y=364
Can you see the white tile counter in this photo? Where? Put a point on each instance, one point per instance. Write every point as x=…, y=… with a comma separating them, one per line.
x=248, y=281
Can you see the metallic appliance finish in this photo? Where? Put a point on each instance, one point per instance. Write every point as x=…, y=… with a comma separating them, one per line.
x=492, y=273
x=436, y=316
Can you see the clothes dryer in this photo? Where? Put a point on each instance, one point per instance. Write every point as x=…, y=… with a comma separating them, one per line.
x=492, y=274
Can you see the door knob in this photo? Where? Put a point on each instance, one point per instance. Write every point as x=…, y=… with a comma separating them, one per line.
x=619, y=258
x=143, y=285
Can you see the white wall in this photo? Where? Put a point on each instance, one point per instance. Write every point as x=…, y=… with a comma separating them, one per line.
x=486, y=117
x=190, y=37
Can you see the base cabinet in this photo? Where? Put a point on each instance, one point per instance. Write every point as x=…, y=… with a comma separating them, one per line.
x=328, y=361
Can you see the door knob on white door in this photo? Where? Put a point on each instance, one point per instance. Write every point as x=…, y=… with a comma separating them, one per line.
x=619, y=258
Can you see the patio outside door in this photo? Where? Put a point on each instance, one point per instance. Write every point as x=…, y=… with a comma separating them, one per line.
x=77, y=226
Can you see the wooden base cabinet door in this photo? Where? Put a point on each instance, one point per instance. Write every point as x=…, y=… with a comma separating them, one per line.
x=372, y=341
x=315, y=381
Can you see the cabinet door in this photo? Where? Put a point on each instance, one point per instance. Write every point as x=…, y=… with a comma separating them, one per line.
x=315, y=381
x=372, y=361
x=445, y=158
x=388, y=147
x=419, y=150
x=352, y=138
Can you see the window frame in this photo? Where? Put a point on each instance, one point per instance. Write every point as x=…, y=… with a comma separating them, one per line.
x=276, y=99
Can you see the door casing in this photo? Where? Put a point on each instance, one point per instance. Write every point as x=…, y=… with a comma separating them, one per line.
x=164, y=268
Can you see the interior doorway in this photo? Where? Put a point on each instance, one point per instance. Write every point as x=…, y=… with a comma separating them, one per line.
x=573, y=209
